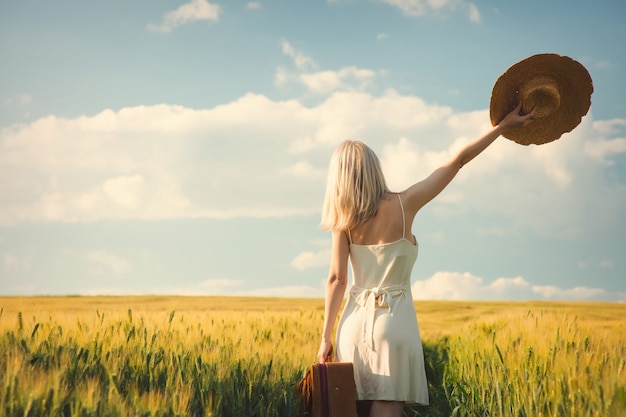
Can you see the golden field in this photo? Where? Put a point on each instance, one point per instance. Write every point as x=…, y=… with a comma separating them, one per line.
x=241, y=356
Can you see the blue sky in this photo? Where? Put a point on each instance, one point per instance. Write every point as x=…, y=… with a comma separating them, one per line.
x=173, y=147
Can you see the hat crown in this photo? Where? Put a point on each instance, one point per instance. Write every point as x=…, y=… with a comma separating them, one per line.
x=541, y=93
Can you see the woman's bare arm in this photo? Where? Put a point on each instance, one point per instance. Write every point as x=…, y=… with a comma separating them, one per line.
x=336, y=285
x=424, y=191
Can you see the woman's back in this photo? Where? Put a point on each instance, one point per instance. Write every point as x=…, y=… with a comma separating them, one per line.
x=388, y=225
x=380, y=254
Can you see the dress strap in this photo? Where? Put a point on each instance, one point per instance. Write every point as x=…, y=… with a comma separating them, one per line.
x=403, y=218
x=350, y=236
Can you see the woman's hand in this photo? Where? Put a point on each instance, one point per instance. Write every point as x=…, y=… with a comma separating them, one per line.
x=514, y=119
x=326, y=349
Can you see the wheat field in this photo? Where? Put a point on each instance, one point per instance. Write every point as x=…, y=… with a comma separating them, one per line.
x=231, y=356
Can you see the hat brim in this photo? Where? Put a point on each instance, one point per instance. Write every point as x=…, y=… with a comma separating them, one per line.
x=575, y=88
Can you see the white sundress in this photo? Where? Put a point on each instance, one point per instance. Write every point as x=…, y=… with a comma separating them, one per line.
x=378, y=330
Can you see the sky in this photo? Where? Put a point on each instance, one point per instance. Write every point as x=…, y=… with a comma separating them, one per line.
x=175, y=147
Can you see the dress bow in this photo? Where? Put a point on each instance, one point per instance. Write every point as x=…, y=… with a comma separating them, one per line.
x=372, y=299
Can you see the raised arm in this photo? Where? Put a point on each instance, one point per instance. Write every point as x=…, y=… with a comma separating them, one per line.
x=424, y=191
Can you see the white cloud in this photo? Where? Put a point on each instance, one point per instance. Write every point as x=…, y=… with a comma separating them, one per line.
x=149, y=162
x=382, y=36
x=601, y=150
x=124, y=190
x=195, y=10
x=281, y=76
x=417, y=8
x=609, y=127
x=304, y=169
x=311, y=259
x=465, y=286
x=551, y=292
x=474, y=14
x=104, y=262
x=447, y=286
x=324, y=82
x=301, y=61
x=253, y=5
x=608, y=142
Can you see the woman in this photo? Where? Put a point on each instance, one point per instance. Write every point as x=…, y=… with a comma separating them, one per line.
x=378, y=330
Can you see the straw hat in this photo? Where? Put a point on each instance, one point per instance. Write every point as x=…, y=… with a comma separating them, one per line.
x=560, y=89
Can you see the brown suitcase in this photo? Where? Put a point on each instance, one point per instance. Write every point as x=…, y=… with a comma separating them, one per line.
x=328, y=390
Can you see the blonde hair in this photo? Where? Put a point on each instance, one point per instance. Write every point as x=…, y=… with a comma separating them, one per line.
x=354, y=187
